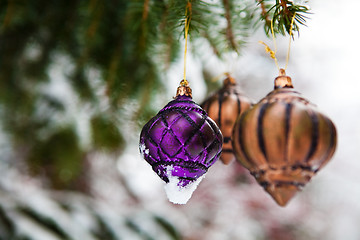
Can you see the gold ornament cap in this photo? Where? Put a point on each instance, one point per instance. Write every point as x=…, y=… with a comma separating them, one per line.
x=282, y=81
x=184, y=89
x=229, y=80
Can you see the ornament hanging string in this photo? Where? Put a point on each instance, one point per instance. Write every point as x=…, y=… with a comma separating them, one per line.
x=274, y=40
x=273, y=53
x=290, y=33
x=186, y=30
x=268, y=49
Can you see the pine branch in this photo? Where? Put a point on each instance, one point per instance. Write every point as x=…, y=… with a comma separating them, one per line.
x=282, y=13
x=126, y=42
x=146, y=10
x=264, y=12
x=8, y=15
x=229, y=31
x=168, y=46
x=213, y=44
x=95, y=10
x=231, y=26
x=193, y=10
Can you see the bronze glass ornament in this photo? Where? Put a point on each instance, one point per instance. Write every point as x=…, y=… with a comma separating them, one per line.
x=224, y=107
x=283, y=140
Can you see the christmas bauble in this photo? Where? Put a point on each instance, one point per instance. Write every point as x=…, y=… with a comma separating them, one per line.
x=180, y=143
x=224, y=107
x=284, y=140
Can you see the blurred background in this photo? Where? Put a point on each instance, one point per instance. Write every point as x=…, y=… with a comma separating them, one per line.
x=77, y=83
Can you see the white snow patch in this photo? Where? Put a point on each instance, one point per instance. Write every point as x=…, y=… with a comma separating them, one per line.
x=144, y=151
x=178, y=194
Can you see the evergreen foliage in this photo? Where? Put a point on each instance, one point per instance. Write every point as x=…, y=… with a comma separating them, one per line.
x=70, y=69
x=21, y=219
x=280, y=15
x=109, y=53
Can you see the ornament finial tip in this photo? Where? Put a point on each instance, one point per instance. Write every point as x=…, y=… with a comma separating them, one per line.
x=184, y=89
x=229, y=80
x=184, y=83
x=282, y=81
x=282, y=72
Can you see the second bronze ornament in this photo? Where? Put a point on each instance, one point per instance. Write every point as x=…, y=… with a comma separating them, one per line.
x=224, y=107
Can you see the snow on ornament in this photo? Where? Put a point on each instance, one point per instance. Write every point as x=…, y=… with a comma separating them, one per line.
x=283, y=140
x=180, y=143
x=224, y=107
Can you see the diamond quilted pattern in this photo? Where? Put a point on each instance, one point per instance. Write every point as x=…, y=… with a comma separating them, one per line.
x=183, y=129
x=183, y=137
x=172, y=117
x=212, y=150
x=208, y=134
x=195, y=116
x=195, y=146
x=156, y=130
x=151, y=148
x=170, y=144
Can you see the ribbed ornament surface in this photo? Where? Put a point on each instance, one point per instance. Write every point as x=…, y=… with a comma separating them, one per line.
x=224, y=107
x=284, y=141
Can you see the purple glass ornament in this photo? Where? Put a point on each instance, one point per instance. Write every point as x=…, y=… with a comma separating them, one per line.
x=181, y=140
